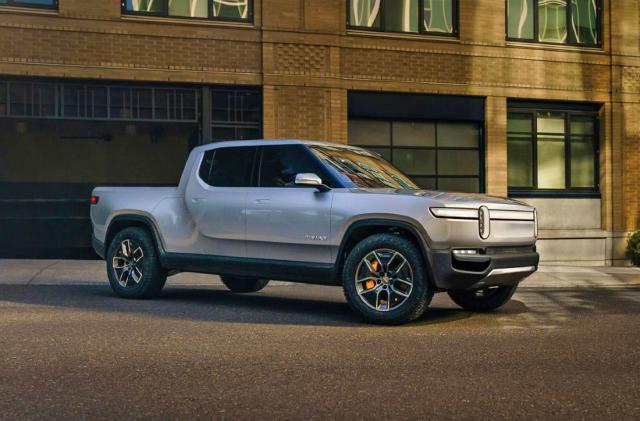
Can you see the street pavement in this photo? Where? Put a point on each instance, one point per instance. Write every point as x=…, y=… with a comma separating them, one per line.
x=566, y=347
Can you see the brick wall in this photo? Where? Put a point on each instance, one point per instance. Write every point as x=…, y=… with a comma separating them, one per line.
x=306, y=59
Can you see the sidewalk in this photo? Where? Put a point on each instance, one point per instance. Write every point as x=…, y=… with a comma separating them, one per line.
x=70, y=272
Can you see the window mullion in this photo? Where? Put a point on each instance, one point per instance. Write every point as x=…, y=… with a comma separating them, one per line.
x=567, y=150
x=536, y=17
x=534, y=139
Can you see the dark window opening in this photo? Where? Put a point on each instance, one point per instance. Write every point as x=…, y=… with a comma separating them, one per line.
x=231, y=167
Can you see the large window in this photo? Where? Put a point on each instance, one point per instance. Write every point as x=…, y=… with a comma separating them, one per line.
x=573, y=22
x=552, y=151
x=45, y=4
x=442, y=155
x=438, y=17
x=238, y=10
x=236, y=113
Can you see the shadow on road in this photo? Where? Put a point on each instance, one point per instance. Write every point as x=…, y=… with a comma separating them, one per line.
x=275, y=305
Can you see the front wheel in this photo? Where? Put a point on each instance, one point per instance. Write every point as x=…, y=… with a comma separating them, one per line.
x=240, y=284
x=385, y=281
x=483, y=299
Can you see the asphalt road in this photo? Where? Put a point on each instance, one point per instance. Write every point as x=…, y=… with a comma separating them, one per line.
x=291, y=352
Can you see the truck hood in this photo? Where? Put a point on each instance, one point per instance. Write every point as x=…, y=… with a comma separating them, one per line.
x=449, y=199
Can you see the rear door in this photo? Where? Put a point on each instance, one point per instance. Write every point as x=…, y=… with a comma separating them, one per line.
x=216, y=199
x=285, y=221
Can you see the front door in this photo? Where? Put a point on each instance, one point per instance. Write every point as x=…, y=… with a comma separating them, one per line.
x=284, y=221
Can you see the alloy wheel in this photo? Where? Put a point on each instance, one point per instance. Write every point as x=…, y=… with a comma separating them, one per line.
x=384, y=280
x=127, y=263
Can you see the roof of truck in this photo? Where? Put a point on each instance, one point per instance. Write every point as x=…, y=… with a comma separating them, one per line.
x=260, y=142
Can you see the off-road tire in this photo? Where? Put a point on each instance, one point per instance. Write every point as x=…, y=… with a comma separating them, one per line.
x=153, y=276
x=241, y=284
x=421, y=293
x=470, y=300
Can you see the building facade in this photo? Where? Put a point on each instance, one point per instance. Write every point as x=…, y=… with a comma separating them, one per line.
x=532, y=99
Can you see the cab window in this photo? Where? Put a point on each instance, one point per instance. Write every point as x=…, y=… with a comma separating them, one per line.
x=280, y=164
x=228, y=167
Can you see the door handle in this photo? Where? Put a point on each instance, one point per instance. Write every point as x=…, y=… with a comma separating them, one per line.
x=261, y=201
x=198, y=199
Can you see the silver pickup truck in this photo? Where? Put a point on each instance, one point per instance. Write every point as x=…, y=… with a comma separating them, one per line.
x=320, y=213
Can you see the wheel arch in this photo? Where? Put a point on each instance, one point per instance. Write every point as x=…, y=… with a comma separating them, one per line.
x=122, y=221
x=364, y=228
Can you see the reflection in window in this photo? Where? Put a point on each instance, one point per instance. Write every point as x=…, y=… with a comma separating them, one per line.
x=574, y=22
x=31, y=3
x=212, y=9
x=552, y=150
x=438, y=16
x=552, y=20
x=443, y=156
x=231, y=9
x=520, y=19
x=365, y=13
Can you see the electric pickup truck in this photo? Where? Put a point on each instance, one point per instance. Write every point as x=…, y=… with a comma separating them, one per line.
x=319, y=213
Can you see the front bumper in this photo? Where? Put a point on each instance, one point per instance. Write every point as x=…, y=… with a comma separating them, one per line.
x=489, y=268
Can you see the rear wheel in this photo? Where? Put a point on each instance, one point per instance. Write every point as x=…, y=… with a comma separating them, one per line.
x=483, y=299
x=384, y=280
x=132, y=265
x=241, y=284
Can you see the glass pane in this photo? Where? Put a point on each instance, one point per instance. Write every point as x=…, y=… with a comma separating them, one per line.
x=148, y=6
x=520, y=19
x=428, y=183
x=438, y=16
x=415, y=161
x=550, y=122
x=520, y=161
x=280, y=165
x=190, y=8
x=552, y=21
x=582, y=162
x=401, y=15
x=369, y=132
x=232, y=167
x=519, y=123
x=582, y=125
x=365, y=13
x=458, y=162
x=383, y=152
x=458, y=135
x=465, y=185
x=230, y=9
x=414, y=134
x=34, y=2
x=551, y=162
x=584, y=21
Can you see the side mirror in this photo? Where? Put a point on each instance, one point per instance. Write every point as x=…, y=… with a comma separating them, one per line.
x=311, y=180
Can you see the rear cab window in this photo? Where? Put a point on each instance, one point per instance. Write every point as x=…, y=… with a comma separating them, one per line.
x=228, y=167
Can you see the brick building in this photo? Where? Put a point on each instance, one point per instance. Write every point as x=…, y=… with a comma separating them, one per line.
x=535, y=99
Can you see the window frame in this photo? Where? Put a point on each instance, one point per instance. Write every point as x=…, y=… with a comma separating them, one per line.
x=436, y=176
x=455, y=17
x=570, y=41
x=568, y=191
x=19, y=3
x=164, y=13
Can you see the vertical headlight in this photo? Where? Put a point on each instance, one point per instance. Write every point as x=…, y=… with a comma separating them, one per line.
x=484, y=222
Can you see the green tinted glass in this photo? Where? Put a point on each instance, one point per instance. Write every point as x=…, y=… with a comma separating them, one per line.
x=147, y=6
x=364, y=13
x=401, y=15
x=551, y=162
x=520, y=19
x=584, y=21
x=582, y=162
x=520, y=161
x=188, y=8
x=438, y=16
x=552, y=21
x=415, y=161
x=230, y=9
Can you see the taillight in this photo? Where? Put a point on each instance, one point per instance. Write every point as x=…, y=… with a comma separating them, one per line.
x=94, y=200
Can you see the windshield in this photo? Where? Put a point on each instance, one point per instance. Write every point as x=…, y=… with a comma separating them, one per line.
x=360, y=168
